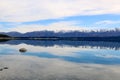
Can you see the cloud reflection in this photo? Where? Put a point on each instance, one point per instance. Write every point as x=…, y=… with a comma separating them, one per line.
x=71, y=54
x=23, y=67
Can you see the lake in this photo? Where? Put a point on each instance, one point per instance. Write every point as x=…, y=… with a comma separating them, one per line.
x=59, y=60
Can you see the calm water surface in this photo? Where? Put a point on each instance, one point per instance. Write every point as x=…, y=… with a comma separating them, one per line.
x=59, y=60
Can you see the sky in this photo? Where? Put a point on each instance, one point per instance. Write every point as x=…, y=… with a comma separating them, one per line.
x=58, y=15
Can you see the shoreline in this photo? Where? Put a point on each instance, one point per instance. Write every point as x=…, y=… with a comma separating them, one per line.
x=110, y=39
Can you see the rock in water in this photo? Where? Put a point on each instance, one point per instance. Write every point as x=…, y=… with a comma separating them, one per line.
x=5, y=67
x=22, y=50
x=1, y=69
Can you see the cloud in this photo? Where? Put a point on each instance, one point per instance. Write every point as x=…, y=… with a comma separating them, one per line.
x=59, y=26
x=56, y=26
x=33, y=10
x=108, y=22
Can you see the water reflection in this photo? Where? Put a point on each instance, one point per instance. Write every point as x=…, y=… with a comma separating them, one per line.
x=79, y=54
x=59, y=60
x=86, y=44
x=34, y=68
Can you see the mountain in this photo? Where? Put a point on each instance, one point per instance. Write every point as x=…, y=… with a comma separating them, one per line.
x=110, y=33
x=14, y=34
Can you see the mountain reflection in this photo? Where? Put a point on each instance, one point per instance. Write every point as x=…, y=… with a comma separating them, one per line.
x=84, y=44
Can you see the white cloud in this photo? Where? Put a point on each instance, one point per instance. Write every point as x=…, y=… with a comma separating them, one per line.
x=1, y=26
x=57, y=26
x=31, y=10
x=108, y=22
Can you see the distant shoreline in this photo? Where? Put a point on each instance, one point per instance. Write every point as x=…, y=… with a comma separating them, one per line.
x=112, y=39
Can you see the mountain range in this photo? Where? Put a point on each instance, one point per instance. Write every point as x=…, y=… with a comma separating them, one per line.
x=102, y=33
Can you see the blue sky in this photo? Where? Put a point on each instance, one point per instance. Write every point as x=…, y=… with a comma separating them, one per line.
x=35, y=15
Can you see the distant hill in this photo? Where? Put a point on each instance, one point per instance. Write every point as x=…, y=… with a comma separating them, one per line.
x=4, y=38
x=12, y=34
x=3, y=35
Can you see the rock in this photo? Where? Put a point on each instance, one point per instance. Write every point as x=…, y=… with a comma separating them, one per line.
x=1, y=69
x=5, y=67
x=22, y=50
